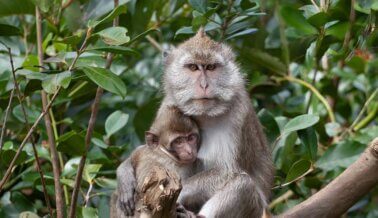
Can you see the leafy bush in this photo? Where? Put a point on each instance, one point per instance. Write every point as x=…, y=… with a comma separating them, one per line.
x=311, y=68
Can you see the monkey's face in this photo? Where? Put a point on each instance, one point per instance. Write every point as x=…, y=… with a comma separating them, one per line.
x=185, y=148
x=202, y=81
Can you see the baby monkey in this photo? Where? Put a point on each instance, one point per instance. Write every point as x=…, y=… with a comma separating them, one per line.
x=172, y=142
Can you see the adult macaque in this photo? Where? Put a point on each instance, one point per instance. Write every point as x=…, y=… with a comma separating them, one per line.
x=235, y=171
x=172, y=142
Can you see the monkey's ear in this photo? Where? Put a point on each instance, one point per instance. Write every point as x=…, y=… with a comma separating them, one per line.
x=166, y=54
x=151, y=139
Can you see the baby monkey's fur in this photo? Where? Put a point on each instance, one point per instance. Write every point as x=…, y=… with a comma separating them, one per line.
x=166, y=141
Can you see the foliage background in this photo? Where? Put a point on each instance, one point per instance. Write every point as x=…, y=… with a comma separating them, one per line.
x=311, y=68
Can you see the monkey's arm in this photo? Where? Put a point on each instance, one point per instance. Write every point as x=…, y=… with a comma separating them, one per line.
x=127, y=183
x=200, y=187
x=216, y=193
x=126, y=187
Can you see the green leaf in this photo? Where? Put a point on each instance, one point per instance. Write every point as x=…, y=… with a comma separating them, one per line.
x=115, y=122
x=340, y=155
x=70, y=168
x=270, y=125
x=184, y=30
x=106, y=80
x=16, y=7
x=71, y=40
x=54, y=81
x=114, y=35
x=6, y=157
x=99, y=143
x=318, y=19
x=141, y=35
x=265, y=59
x=121, y=9
x=32, y=113
x=116, y=50
x=72, y=143
x=332, y=129
x=90, y=171
x=8, y=30
x=89, y=212
x=106, y=183
x=300, y=122
x=199, y=5
x=199, y=21
x=310, y=141
x=298, y=169
x=294, y=18
x=241, y=33
x=338, y=30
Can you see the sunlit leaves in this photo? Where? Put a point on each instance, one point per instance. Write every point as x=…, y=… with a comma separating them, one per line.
x=115, y=122
x=116, y=50
x=294, y=18
x=52, y=82
x=340, y=155
x=114, y=35
x=110, y=17
x=199, y=5
x=300, y=122
x=106, y=79
x=298, y=169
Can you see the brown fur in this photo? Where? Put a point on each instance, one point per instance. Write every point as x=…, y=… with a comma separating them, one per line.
x=144, y=157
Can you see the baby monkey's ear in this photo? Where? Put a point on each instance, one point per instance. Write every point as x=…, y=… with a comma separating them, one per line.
x=151, y=139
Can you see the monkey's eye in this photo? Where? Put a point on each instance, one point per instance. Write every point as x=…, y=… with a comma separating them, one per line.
x=192, y=67
x=210, y=67
x=192, y=139
x=178, y=141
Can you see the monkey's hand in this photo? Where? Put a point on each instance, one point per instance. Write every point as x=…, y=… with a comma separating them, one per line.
x=183, y=213
x=126, y=187
x=126, y=197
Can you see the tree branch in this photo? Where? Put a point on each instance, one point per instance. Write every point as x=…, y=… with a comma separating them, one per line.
x=343, y=192
x=32, y=140
x=54, y=153
x=88, y=136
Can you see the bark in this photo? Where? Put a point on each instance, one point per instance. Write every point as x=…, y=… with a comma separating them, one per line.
x=344, y=191
x=159, y=193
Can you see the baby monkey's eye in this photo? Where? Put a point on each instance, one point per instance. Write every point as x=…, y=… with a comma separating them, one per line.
x=210, y=67
x=192, y=138
x=192, y=67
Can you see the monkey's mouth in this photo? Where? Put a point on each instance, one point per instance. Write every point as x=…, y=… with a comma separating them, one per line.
x=203, y=100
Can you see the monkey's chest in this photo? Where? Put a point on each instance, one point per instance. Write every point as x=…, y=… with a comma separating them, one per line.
x=218, y=148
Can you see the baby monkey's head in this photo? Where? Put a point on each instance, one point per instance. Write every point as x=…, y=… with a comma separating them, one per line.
x=176, y=134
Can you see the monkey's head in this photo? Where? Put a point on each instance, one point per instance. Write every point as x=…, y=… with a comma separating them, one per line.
x=175, y=134
x=201, y=76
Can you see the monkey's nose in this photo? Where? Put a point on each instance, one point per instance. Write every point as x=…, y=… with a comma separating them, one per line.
x=204, y=85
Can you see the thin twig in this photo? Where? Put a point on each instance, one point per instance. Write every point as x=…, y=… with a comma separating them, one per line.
x=50, y=135
x=296, y=179
x=87, y=196
x=66, y=4
x=31, y=130
x=43, y=113
x=88, y=136
x=154, y=43
x=5, y=119
x=32, y=140
x=281, y=198
x=317, y=94
x=359, y=116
